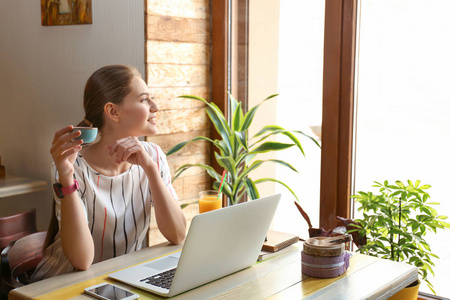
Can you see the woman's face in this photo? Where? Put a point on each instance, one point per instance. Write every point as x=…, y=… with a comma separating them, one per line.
x=137, y=112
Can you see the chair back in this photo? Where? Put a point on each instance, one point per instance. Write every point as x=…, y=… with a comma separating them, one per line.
x=16, y=226
x=19, y=260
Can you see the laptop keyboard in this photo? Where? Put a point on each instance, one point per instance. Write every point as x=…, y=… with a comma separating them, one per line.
x=163, y=280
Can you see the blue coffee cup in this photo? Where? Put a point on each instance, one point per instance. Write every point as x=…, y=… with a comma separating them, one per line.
x=88, y=134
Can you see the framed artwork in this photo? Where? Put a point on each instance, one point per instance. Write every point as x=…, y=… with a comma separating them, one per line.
x=66, y=12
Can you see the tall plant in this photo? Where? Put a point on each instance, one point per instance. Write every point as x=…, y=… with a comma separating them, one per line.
x=396, y=221
x=236, y=151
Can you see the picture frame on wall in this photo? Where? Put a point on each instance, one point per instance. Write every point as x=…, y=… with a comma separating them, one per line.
x=66, y=12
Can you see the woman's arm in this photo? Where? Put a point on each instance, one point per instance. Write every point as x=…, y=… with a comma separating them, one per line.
x=76, y=238
x=169, y=216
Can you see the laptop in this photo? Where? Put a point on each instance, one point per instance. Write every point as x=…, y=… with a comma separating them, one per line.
x=218, y=243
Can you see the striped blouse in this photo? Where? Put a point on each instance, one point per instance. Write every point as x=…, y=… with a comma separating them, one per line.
x=117, y=210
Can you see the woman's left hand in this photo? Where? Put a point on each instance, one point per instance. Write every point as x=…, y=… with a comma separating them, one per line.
x=130, y=150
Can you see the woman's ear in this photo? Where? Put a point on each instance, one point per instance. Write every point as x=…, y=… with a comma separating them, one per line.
x=111, y=111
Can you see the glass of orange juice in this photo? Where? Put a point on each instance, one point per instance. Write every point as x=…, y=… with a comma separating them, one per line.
x=208, y=201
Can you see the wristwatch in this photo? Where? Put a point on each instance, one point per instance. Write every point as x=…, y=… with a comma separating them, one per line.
x=62, y=191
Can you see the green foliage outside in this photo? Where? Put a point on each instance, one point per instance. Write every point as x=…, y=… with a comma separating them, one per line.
x=396, y=221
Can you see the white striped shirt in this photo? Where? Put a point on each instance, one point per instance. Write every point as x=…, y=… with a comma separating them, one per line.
x=117, y=210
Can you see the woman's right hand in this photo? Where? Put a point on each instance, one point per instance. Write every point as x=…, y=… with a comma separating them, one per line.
x=64, y=151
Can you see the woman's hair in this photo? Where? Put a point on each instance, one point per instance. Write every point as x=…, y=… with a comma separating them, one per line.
x=107, y=84
x=53, y=228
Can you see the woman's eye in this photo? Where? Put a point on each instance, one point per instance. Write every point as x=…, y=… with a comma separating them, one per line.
x=145, y=100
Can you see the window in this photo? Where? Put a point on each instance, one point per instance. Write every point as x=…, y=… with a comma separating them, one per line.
x=299, y=43
x=299, y=107
x=403, y=105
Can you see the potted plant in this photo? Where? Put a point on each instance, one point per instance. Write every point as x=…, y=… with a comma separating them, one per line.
x=236, y=151
x=396, y=221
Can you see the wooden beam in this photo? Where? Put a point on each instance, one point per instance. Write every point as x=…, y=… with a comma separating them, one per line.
x=175, y=29
x=337, y=116
x=219, y=63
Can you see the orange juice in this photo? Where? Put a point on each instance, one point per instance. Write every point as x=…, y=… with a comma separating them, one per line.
x=209, y=202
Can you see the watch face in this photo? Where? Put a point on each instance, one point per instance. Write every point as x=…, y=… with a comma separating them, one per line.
x=57, y=188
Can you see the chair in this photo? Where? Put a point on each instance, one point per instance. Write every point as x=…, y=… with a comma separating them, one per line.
x=19, y=260
x=14, y=227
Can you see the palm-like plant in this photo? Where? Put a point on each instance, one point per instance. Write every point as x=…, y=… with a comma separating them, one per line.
x=236, y=152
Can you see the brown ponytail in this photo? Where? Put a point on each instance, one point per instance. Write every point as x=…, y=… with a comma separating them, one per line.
x=85, y=123
x=53, y=228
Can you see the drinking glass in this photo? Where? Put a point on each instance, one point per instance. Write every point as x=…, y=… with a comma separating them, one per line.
x=209, y=200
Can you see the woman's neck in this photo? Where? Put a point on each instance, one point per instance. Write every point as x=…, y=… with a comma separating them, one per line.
x=97, y=156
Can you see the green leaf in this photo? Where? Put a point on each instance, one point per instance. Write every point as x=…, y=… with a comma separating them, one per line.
x=241, y=136
x=210, y=170
x=183, y=206
x=277, y=181
x=275, y=129
x=238, y=117
x=252, y=167
x=309, y=137
x=248, y=119
x=251, y=189
x=226, y=162
x=400, y=184
x=425, y=187
x=181, y=145
x=233, y=103
x=270, y=146
x=220, y=124
x=194, y=98
x=281, y=162
x=217, y=118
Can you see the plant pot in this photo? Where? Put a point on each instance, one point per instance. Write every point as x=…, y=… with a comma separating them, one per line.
x=409, y=292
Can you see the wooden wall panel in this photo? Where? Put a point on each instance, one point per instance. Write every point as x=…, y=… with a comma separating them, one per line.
x=168, y=75
x=197, y=9
x=168, y=141
x=170, y=121
x=167, y=97
x=188, y=186
x=197, y=158
x=178, y=53
x=178, y=62
x=173, y=29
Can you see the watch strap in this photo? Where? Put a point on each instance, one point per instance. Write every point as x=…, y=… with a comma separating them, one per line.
x=62, y=191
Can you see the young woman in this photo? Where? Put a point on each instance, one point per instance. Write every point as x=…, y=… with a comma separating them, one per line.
x=110, y=186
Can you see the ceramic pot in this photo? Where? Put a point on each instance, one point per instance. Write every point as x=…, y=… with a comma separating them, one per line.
x=409, y=292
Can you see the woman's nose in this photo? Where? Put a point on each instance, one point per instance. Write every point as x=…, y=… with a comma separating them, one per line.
x=153, y=107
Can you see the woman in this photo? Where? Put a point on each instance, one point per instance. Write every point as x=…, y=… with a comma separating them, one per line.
x=116, y=179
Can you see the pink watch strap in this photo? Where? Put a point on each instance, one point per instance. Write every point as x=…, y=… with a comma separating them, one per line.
x=66, y=190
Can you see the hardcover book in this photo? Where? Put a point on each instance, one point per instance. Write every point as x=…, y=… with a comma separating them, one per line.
x=277, y=240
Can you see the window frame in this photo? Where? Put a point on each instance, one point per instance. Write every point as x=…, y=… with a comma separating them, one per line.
x=338, y=110
x=338, y=96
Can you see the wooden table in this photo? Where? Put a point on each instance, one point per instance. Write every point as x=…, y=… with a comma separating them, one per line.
x=278, y=277
x=12, y=185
